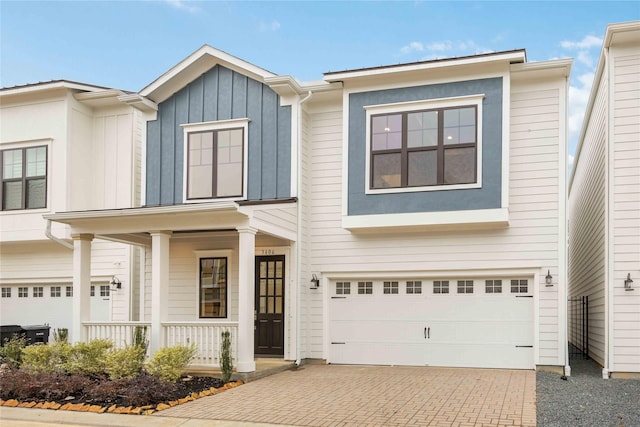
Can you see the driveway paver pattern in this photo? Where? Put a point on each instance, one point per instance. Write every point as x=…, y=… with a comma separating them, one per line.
x=339, y=395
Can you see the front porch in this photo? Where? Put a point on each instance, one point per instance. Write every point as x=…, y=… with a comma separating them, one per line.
x=203, y=270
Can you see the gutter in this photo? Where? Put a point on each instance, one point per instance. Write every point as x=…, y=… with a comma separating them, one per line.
x=47, y=232
x=299, y=232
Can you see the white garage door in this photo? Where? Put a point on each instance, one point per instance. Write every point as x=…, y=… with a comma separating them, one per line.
x=459, y=323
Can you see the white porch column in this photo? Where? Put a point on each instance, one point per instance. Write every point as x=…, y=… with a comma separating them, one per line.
x=246, y=299
x=81, y=307
x=159, y=286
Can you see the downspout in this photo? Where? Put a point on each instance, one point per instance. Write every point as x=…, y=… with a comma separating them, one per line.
x=47, y=232
x=299, y=230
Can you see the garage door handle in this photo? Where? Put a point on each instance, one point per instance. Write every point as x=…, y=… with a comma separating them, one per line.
x=427, y=333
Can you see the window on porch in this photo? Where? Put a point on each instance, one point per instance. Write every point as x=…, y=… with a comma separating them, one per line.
x=213, y=287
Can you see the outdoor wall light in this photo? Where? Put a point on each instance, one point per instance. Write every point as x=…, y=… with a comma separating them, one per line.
x=115, y=283
x=548, y=278
x=315, y=282
x=628, y=282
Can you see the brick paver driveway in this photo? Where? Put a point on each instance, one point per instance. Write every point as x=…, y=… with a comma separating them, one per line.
x=333, y=395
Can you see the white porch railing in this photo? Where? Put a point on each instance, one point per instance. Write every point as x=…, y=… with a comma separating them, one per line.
x=206, y=336
x=120, y=333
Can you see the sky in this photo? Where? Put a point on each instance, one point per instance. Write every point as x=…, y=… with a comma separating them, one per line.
x=128, y=44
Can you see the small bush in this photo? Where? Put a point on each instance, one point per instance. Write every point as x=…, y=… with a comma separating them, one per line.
x=46, y=358
x=88, y=358
x=125, y=363
x=140, y=337
x=25, y=386
x=11, y=352
x=226, y=364
x=61, y=335
x=169, y=363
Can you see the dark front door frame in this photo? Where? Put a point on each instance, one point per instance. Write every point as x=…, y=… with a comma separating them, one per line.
x=269, y=305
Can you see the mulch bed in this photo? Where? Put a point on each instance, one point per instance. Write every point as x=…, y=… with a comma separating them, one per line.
x=141, y=395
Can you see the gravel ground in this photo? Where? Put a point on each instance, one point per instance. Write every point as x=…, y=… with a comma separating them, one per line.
x=585, y=399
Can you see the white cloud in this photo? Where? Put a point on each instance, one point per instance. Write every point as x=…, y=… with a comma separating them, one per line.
x=270, y=26
x=412, y=47
x=183, y=5
x=444, y=48
x=587, y=42
x=585, y=58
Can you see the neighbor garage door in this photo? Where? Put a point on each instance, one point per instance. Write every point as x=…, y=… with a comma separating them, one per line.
x=485, y=323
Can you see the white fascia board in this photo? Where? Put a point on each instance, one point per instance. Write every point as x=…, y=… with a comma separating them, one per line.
x=196, y=64
x=479, y=218
x=528, y=269
x=542, y=69
x=139, y=102
x=41, y=87
x=509, y=57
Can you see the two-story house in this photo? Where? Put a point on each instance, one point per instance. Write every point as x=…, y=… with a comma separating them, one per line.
x=604, y=211
x=65, y=146
x=406, y=215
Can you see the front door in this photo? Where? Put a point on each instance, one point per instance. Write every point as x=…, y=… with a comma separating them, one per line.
x=269, y=308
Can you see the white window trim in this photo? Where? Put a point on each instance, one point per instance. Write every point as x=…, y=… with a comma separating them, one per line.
x=188, y=128
x=401, y=107
x=218, y=253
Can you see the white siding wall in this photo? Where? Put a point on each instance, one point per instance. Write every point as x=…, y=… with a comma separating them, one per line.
x=626, y=208
x=587, y=224
x=530, y=241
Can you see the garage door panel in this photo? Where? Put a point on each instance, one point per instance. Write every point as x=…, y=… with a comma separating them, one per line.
x=376, y=330
x=463, y=330
x=376, y=353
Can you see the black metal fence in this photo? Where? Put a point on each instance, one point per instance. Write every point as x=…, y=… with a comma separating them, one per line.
x=578, y=316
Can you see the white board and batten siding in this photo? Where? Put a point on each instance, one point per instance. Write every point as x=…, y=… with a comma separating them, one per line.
x=527, y=248
x=625, y=204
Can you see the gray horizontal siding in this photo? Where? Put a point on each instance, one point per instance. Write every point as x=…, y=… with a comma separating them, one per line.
x=221, y=94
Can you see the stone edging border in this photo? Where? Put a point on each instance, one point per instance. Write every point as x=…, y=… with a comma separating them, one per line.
x=113, y=409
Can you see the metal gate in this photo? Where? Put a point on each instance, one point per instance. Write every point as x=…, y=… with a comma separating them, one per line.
x=578, y=332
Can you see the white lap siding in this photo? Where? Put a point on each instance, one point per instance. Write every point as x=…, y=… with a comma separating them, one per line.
x=625, y=234
x=531, y=240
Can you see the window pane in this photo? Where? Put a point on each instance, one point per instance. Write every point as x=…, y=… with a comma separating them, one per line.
x=229, y=158
x=12, y=195
x=423, y=168
x=36, y=161
x=213, y=287
x=422, y=129
x=200, y=172
x=459, y=165
x=386, y=170
x=36, y=191
x=460, y=126
x=386, y=132
x=12, y=164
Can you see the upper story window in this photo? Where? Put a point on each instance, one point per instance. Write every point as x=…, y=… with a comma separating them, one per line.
x=424, y=148
x=24, y=178
x=215, y=159
x=433, y=144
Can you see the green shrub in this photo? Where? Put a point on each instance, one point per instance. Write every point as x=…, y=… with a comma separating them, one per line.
x=226, y=364
x=11, y=352
x=140, y=337
x=46, y=358
x=88, y=358
x=125, y=363
x=61, y=335
x=169, y=363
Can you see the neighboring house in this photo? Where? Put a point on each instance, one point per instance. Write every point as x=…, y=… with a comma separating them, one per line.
x=406, y=215
x=64, y=146
x=604, y=208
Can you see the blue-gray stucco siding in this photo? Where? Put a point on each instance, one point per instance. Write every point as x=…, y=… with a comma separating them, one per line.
x=487, y=197
x=221, y=94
